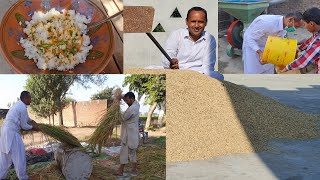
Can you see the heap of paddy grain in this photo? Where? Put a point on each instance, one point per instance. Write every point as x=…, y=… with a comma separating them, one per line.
x=208, y=118
x=109, y=120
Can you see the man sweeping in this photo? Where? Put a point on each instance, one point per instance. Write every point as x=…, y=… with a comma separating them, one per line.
x=12, y=149
x=311, y=47
x=193, y=48
x=255, y=38
x=129, y=134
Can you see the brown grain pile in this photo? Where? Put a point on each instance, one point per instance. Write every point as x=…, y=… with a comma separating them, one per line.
x=208, y=118
x=138, y=19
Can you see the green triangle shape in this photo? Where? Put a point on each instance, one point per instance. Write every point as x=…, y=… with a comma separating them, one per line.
x=176, y=14
x=159, y=28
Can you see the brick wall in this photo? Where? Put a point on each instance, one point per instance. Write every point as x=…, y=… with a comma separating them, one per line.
x=224, y=20
x=293, y=5
x=281, y=8
x=87, y=113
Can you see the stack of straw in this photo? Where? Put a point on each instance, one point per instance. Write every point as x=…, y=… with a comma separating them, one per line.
x=59, y=134
x=109, y=120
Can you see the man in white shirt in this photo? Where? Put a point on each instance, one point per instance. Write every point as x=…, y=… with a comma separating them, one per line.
x=255, y=38
x=192, y=48
x=12, y=149
x=129, y=134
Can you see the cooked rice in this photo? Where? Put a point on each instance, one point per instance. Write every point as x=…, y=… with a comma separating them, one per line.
x=57, y=40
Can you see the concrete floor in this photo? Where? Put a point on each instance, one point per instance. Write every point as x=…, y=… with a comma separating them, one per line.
x=288, y=159
x=296, y=91
x=228, y=65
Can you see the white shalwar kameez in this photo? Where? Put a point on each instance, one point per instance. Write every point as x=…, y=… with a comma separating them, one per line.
x=130, y=134
x=12, y=149
x=255, y=38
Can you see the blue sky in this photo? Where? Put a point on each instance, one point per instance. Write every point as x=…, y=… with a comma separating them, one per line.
x=12, y=85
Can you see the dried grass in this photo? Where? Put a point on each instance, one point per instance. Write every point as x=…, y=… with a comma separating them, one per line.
x=110, y=119
x=60, y=134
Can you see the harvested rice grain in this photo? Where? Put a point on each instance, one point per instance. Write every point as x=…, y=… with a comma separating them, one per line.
x=138, y=19
x=208, y=118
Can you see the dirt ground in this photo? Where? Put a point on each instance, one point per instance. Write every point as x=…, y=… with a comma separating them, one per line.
x=151, y=165
x=151, y=157
x=228, y=65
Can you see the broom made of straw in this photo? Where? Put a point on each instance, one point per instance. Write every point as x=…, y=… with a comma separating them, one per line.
x=59, y=134
x=109, y=120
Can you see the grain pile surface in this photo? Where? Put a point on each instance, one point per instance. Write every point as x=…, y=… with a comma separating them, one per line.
x=138, y=19
x=208, y=118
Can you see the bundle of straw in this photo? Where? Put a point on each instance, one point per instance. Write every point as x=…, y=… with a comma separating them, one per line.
x=109, y=120
x=59, y=134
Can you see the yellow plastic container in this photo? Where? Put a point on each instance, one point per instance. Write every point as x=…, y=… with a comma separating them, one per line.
x=280, y=51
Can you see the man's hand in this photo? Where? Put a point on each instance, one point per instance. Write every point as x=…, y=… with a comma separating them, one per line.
x=284, y=70
x=174, y=64
x=34, y=125
x=260, y=54
x=297, y=54
x=301, y=41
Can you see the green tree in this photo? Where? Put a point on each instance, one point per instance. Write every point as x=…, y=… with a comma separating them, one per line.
x=153, y=87
x=49, y=92
x=104, y=94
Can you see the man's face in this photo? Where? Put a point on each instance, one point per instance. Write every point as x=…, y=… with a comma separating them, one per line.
x=298, y=24
x=27, y=100
x=309, y=26
x=128, y=100
x=196, y=23
x=290, y=22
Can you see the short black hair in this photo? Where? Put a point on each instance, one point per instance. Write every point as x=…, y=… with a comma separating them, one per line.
x=197, y=9
x=312, y=14
x=296, y=15
x=130, y=95
x=24, y=94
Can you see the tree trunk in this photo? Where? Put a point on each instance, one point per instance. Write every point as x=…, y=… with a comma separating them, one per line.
x=149, y=117
x=60, y=117
x=160, y=118
x=161, y=114
x=74, y=105
x=49, y=120
x=52, y=119
x=74, y=163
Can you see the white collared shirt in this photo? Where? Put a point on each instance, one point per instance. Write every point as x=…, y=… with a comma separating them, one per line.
x=199, y=56
x=17, y=117
x=130, y=126
x=261, y=28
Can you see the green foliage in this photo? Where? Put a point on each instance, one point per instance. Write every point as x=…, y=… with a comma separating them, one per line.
x=144, y=118
x=49, y=91
x=104, y=94
x=160, y=140
x=153, y=86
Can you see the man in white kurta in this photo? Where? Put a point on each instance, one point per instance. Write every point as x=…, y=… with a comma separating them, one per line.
x=12, y=149
x=255, y=38
x=192, y=48
x=129, y=134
